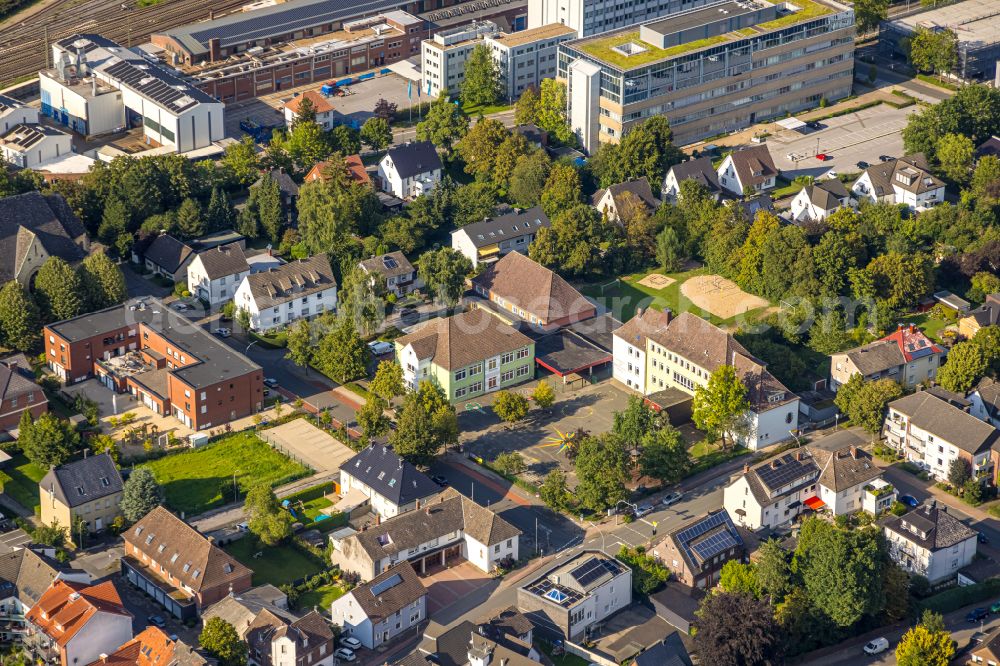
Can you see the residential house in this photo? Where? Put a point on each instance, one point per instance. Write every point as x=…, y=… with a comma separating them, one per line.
x=288, y=191
x=34, y=227
x=773, y=492
x=391, y=484
x=820, y=200
x=145, y=348
x=179, y=568
x=907, y=180
x=930, y=542
x=985, y=401
x=668, y=652
x=987, y=653
x=576, y=594
x=699, y=170
x=656, y=352
x=355, y=170
x=75, y=623
x=534, y=134
x=152, y=647
x=625, y=199
x=19, y=392
x=487, y=241
x=749, y=167
x=535, y=294
x=697, y=550
x=476, y=644
x=395, y=270
x=273, y=640
x=14, y=112
x=214, y=275
x=988, y=314
x=167, y=256
x=301, y=289
x=89, y=489
x=467, y=355
x=241, y=610
x=849, y=480
x=24, y=577
x=933, y=432
x=748, y=208
x=33, y=146
x=378, y=611
x=906, y=356
x=409, y=170
x=989, y=147
x=450, y=528
x=326, y=117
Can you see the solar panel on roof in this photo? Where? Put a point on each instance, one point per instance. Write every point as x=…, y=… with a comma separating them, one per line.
x=715, y=544
x=777, y=477
x=699, y=528
x=387, y=584
x=589, y=571
x=390, y=263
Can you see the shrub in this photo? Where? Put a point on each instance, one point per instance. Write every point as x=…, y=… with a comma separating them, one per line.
x=648, y=575
x=957, y=597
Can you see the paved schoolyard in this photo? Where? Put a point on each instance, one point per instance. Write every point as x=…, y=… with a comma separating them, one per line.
x=448, y=585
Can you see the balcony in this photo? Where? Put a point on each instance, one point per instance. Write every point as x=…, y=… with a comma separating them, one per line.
x=878, y=496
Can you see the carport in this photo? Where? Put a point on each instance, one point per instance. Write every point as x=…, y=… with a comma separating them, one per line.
x=565, y=353
x=792, y=123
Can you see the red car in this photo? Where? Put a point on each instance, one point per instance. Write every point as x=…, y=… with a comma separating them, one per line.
x=822, y=157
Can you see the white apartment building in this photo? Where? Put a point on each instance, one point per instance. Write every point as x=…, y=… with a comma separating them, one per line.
x=442, y=58
x=409, y=170
x=930, y=542
x=527, y=57
x=300, y=289
x=391, y=484
x=215, y=274
x=383, y=608
x=491, y=239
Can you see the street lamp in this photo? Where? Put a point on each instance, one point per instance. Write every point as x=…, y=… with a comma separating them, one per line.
x=247, y=350
x=798, y=442
x=236, y=489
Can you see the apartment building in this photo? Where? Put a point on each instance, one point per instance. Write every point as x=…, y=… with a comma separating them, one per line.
x=443, y=58
x=391, y=484
x=171, y=366
x=397, y=274
x=302, y=289
x=905, y=355
x=214, y=275
x=24, y=577
x=712, y=69
x=487, y=241
x=930, y=542
x=378, y=611
x=527, y=57
x=773, y=492
x=655, y=352
x=88, y=489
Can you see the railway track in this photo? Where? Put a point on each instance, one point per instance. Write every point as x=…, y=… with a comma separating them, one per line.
x=23, y=46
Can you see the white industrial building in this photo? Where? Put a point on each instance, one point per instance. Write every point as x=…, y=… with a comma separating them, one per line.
x=30, y=146
x=97, y=87
x=13, y=112
x=589, y=17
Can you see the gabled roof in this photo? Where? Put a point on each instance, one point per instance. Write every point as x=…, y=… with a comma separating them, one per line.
x=355, y=167
x=14, y=383
x=639, y=188
x=989, y=147
x=752, y=160
x=185, y=554
x=414, y=158
x=771, y=475
x=286, y=185
x=290, y=281
x=389, y=265
x=379, y=468
x=81, y=481
x=537, y=290
x=223, y=261
x=989, y=392
x=152, y=647
x=463, y=339
x=699, y=170
x=883, y=175
x=701, y=539
x=34, y=216
x=66, y=607
x=930, y=527
x=899, y=347
x=392, y=590
x=826, y=194
x=28, y=574
x=990, y=650
x=505, y=227
x=987, y=314
x=168, y=253
x=320, y=103
x=240, y=610
x=844, y=468
x=946, y=421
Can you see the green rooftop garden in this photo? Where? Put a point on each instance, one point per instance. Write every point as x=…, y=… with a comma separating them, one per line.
x=808, y=10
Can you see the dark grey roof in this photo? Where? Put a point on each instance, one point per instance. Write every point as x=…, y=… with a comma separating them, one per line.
x=26, y=575
x=287, y=186
x=24, y=136
x=296, y=279
x=750, y=207
x=157, y=84
x=83, y=481
x=392, y=590
x=46, y=217
x=15, y=382
x=10, y=103
x=700, y=170
x=946, y=421
x=930, y=527
x=505, y=227
x=639, y=188
x=389, y=265
x=989, y=392
x=752, y=160
x=772, y=474
x=168, y=253
x=218, y=361
x=414, y=158
x=987, y=314
x=668, y=652
x=876, y=356
x=845, y=467
x=224, y=260
x=702, y=539
x=379, y=468
x=826, y=194
x=883, y=175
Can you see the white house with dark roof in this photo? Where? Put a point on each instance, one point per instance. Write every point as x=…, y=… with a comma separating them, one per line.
x=215, y=274
x=487, y=241
x=907, y=180
x=409, y=170
x=820, y=200
x=14, y=112
x=378, y=611
x=32, y=146
x=396, y=271
x=167, y=256
x=930, y=542
x=391, y=484
x=34, y=227
x=985, y=401
x=614, y=200
x=906, y=356
x=745, y=167
x=300, y=289
x=699, y=170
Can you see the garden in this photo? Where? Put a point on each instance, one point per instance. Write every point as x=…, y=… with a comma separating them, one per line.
x=307, y=508
x=276, y=565
x=19, y=479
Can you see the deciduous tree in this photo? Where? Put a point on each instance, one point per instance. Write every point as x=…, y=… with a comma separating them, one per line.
x=266, y=518
x=543, y=395
x=526, y=108
x=300, y=344
x=341, y=354
x=551, y=114
x=562, y=191
x=664, y=455
x=925, y=645
x=48, y=440
x=479, y=147
x=869, y=13
x=865, y=403
x=140, y=494
x=219, y=638
x=481, y=85
x=444, y=124
x=528, y=179
x=965, y=366
x=510, y=406
x=444, y=271
x=720, y=407
x=388, y=380
x=955, y=153
x=58, y=290
x=602, y=469
x=102, y=282
x=20, y=323
x=377, y=133
x=571, y=244
x=738, y=629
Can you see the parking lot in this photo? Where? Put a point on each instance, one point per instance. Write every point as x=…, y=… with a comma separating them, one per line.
x=846, y=140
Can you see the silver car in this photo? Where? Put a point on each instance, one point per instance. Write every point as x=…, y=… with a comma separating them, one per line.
x=672, y=498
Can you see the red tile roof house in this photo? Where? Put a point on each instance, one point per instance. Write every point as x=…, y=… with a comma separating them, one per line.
x=905, y=355
x=19, y=392
x=75, y=623
x=532, y=293
x=177, y=566
x=152, y=647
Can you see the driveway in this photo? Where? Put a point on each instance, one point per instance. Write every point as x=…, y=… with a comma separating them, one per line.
x=447, y=585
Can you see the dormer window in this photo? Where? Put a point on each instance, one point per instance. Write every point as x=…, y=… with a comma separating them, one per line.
x=187, y=567
x=79, y=489
x=197, y=572
x=149, y=539
x=161, y=547
x=105, y=482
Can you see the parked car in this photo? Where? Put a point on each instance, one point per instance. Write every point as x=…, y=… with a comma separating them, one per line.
x=643, y=509
x=223, y=332
x=976, y=615
x=344, y=654
x=271, y=382
x=876, y=645
x=909, y=500
x=995, y=608
x=863, y=165
x=886, y=158
x=672, y=498
x=180, y=307
x=440, y=480
x=822, y=157
x=350, y=642
x=157, y=620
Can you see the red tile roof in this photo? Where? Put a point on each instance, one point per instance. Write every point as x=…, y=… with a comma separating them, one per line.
x=67, y=606
x=912, y=342
x=355, y=168
x=320, y=103
x=151, y=647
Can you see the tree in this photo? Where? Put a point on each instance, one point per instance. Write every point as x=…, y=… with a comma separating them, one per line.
x=572, y=243
x=982, y=285
x=772, y=570
x=265, y=199
x=865, y=403
x=481, y=86
x=219, y=638
x=140, y=494
x=300, y=344
x=959, y=472
x=426, y=424
x=543, y=395
x=526, y=107
x=528, y=179
x=551, y=114
x=47, y=441
x=371, y=417
x=377, y=133
x=305, y=144
x=668, y=250
x=934, y=50
x=362, y=299
x=737, y=629
x=190, y=223
x=341, y=354
x=19, y=318
x=899, y=280
x=242, y=318
x=633, y=423
x=479, y=147
x=869, y=13
x=219, y=215
x=115, y=221
x=925, y=646
x=720, y=407
x=664, y=455
x=510, y=406
x=554, y=491
x=988, y=340
x=102, y=282
x=266, y=518
x=306, y=112
x=443, y=271
x=510, y=462
x=58, y=290
x=829, y=333
x=388, y=381
x=740, y=578
x=444, y=123
x=562, y=190
x=955, y=153
x=240, y=162
x=965, y=366
x=602, y=468
x=385, y=109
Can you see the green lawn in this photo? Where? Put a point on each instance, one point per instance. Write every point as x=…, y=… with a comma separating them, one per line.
x=321, y=597
x=475, y=110
x=276, y=565
x=929, y=323
x=705, y=455
x=312, y=502
x=193, y=480
x=564, y=659
x=19, y=478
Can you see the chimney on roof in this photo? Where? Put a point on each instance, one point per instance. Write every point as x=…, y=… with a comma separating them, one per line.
x=638, y=312
x=378, y=519
x=103, y=657
x=774, y=464
x=854, y=452
x=746, y=468
x=800, y=455
x=899, y=326
x=428, y=510
x=913, y=328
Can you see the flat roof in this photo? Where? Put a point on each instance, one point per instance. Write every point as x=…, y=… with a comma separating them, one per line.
x=534, y=34
x=564, y=352
x=972, y=20
x=697, y=17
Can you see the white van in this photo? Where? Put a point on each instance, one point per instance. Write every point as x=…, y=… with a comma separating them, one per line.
x=877, y=645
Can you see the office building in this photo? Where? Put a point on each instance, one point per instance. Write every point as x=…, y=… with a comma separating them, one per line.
x=589, y=17
x=442, y=59
x=526, y=58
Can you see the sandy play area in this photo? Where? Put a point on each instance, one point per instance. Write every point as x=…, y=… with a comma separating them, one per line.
x=722, y=297
x=656, y=281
